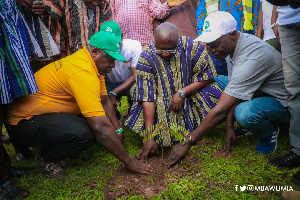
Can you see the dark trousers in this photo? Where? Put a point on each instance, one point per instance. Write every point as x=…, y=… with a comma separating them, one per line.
x=57, y=136
x=4, y=158
x=4, y=163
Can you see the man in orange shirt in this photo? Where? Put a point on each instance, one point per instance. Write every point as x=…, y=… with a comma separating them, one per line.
x=48, y=120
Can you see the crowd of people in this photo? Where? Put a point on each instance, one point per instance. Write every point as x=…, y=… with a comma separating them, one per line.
x=64, y=65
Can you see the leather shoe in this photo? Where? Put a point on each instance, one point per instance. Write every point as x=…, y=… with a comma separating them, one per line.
x=23, y=156
x=18, y=172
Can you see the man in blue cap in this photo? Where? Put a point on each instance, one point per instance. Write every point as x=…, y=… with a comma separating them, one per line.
x=48, y=120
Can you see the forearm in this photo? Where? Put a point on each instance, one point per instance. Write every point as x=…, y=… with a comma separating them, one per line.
x=214, y=117
x=125, y=85
x=105, y=133
x=110, y=111
x=193, y=87
x=212, y=120
x=260, y=30
x=149, y=111
x=230, y=119
x=274, y=15
x=159, y=10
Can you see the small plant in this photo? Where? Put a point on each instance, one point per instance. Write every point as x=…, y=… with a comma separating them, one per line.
x=176, y=130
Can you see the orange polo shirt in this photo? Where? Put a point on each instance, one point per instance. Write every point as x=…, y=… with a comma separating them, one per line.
x=72, y=85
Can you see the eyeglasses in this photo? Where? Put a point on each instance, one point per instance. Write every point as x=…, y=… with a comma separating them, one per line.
x=166, y=51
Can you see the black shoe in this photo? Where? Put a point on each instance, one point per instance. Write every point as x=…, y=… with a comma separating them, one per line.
x=23, y=156
x=18, y=172
x=287, y=161
x=9, y=191
x=52, y=170
x=296, y=178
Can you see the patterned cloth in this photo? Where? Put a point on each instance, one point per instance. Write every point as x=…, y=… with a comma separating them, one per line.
x=235, y=8
x=16, y=77
x=40, y=42
x=135, y=17
x=71, y=24
x=157, y=81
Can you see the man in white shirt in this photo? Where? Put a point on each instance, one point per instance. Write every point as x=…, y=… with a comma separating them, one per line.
x=122, y=77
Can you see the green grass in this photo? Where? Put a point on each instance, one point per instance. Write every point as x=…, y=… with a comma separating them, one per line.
x=211, y=177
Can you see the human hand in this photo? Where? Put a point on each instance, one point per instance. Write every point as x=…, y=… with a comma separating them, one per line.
x=25, y=3
x=176, y=103
x=229, y=141
x=38, y=8
x=177, y=153
x=148, y=149
x=137, y=167
x=172, y=3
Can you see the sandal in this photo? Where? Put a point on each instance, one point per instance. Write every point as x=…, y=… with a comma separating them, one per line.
x=11, y=192
x=5, y=138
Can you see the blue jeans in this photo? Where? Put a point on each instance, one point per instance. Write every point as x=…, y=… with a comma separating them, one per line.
x=57, y=136
x=290, y=48
x=222, y=81
x=260, y=115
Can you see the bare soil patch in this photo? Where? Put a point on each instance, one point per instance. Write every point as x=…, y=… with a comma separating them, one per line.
x=124, y=182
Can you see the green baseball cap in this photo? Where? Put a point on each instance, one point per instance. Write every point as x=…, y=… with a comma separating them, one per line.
x=112, y=27
x=107, y=42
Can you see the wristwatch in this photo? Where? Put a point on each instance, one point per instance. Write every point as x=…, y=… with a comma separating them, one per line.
x=181, y=94
x=187, y=139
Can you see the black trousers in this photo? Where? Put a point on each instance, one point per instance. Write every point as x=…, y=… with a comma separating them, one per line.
x=57, y=136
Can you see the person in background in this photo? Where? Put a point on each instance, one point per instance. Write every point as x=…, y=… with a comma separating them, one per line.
x=174, y=85
x=265, y=27
x=41, y=45
x=72, y=23
x=183, y=17
x=119, y=81
x=41, y=48
x=289, y=31
x=16, y=80
x=136, y=17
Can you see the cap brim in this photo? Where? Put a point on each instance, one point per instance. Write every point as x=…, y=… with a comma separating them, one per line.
x=115, y=55
x=207, y=37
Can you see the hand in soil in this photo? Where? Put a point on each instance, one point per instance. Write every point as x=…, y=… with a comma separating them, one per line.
x=177, y=153
x=229, y=141
x=148, y=149
x=136, y=166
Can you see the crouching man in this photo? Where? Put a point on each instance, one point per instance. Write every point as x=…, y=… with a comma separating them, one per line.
x=48, y=120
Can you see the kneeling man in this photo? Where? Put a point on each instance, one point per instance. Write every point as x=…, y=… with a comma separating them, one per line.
x=255, y=94
x=48, y=120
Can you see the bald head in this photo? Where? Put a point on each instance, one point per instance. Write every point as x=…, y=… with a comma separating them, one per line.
x=166, y=38
x=167, y=32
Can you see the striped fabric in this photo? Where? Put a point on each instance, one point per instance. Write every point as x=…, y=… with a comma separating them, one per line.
x=16, y=77
x=157, y=81
x=40, y=42
x=71, y=24
x=135, y=17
